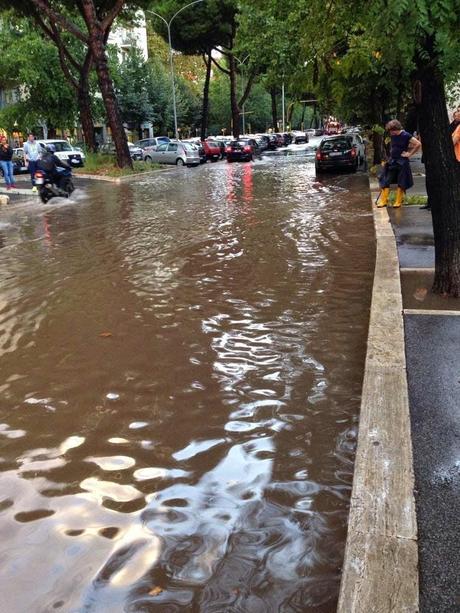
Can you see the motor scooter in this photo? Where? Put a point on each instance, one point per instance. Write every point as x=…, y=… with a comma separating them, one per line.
x=52, y=186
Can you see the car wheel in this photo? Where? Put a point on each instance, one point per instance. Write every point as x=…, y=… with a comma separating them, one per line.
x=179, y=162
x=148, y=159
x=355, y=167
x=318, y=170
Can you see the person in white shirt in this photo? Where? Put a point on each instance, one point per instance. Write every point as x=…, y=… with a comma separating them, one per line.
x=32, y=152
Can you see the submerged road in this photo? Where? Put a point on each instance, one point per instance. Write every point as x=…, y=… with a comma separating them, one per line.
x=182, y=362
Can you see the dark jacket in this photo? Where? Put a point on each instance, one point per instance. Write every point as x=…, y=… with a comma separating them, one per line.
x=6, y=153
x=453, y=126
x=48, y=162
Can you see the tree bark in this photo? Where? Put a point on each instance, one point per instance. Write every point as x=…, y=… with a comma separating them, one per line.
x=274, y=109
x=443, y=180
x=97, y=37
x=377, y=144
x=205, y=107
x=233, y=97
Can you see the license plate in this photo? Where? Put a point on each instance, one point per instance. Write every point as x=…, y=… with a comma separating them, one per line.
x=39, y=181
x=335, y=154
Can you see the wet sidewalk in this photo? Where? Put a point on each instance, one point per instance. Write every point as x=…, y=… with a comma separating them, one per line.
x=432, y=338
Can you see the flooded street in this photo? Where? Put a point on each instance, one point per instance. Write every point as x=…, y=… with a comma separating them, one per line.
x=182, y=361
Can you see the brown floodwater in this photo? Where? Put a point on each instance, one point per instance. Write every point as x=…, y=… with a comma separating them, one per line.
x=182, y=361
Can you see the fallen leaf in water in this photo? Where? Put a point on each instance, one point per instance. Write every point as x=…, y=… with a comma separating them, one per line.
x=420, y=294
x=155, y=591
x=105, y=334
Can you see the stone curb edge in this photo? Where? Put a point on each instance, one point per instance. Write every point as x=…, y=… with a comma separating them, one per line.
x=120, y=179
x=380, y=570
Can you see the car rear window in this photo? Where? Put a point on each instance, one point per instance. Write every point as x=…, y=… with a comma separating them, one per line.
x=339, y=144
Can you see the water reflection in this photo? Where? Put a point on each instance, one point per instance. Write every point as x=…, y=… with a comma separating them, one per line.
x=182, y=366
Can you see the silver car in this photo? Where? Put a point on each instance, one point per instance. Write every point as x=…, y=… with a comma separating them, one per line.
x=174, y=152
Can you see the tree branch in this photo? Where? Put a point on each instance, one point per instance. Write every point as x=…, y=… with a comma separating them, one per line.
x=219, y=66
x=247, y=90
x=108, y=20
x=43, y=5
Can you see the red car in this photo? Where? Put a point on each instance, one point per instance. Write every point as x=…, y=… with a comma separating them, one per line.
x=212, y=150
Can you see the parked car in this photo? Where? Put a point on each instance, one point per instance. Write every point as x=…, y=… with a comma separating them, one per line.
x=18, y=161
x=148, y=144
x=222, y=146
x=242, y=150
x=199, y=147
x=270, y=140
x=175, y=152
x=299, y=137
x=337, y=152
x=212, y=149
x=65, y=151
x=136, y=153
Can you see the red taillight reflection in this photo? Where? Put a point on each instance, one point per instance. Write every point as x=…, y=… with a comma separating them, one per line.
x=248, y=148
x=228, y=149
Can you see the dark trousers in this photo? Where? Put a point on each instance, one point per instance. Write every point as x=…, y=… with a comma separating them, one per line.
x=32, y=169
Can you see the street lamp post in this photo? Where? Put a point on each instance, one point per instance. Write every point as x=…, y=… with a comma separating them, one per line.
x=171, y=64
x=241, y=63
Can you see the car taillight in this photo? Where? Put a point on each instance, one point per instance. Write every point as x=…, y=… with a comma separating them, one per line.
x=319, y=155
x=353, y=153
x=39, y=174
x=228, y=149
x=248, y=148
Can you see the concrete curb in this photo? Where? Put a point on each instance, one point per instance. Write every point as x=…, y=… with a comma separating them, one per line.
x=380, y=571
x=119, y=179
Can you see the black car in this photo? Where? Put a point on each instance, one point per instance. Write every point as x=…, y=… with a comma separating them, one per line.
x=242, y=150
x=336, y=152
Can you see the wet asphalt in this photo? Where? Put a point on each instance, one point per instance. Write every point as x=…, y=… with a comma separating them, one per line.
x=433, y=366
x=433, y=371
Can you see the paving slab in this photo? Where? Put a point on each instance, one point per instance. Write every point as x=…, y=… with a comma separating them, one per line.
x=433, y=366
x=413, y=230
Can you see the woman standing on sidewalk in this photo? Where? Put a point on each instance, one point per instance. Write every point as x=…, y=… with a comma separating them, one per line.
x=397, y=168
x=6, y=155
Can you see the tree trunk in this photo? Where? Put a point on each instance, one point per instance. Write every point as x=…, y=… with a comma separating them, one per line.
x=205, y=108
x=443, y=180
x=377, y=144
x=274, y=109
x=233, y=98
x=97, y=38
x=86, y=115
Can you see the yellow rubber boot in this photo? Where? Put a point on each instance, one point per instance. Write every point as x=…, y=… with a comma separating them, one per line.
x=384, y=195
x=399, y=198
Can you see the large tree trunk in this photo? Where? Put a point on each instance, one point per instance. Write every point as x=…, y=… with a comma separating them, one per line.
x=205, y=108
x=233, y=98
x=274, y=109
x=443, y=180
x=96, y=43
x=110, y=101
x=84, y=103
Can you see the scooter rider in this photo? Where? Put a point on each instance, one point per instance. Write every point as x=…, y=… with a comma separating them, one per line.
x=49, y=163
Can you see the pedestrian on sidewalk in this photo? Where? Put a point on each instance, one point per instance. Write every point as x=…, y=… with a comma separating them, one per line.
x=397, y=169
x=32, y=152
x=6, y=164
x=455, y=122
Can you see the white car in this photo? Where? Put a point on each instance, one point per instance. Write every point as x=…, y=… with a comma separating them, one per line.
x=65, y=151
